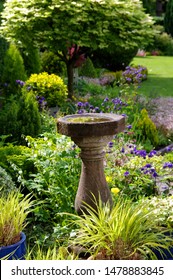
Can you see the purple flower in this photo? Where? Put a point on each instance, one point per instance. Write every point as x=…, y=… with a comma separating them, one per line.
x=129, y=126
x=86, y=104
x=106, y=99
x=155, y=174
x=20, y=83
x=122, y=150
x=80, y=104
x=97, y=109
x=152, y=153
x=168, y=164
x=141, y=153
x=126, y=173
x=81, y=111
x=110, y=144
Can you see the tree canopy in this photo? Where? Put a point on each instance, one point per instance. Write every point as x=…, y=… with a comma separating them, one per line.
x=61, y=24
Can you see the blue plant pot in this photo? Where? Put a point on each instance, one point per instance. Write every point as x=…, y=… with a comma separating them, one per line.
x=15, y=251
x=166, y=254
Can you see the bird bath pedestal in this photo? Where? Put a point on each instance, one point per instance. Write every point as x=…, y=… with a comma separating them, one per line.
x=91, y=132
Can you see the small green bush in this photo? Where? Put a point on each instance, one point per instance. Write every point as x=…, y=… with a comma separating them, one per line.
x=13, y=69
x=20, y=116
x=111, y=78
x=6, y=182
x=145, y=130
x=29, y=115
x=13, y=155
x=3, y=48
x=51, y=87
x=164, y=43
x=32, y=60
x=113, y=61
x=87, y=69
x=51, y=64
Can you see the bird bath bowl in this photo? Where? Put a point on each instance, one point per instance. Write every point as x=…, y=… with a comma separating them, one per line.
x=91, y=132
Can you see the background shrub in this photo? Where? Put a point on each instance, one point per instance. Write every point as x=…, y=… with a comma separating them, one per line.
x=32, y=60
x=4, y=45
x=6, y=183
x=87, y=69
x=51, y=87
x=113, y=61
x=20, y=116
x=162, y=42
x=51, y=64
x=145, y=130
x=13, y=69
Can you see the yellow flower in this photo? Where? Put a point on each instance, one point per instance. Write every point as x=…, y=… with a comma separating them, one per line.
x=115, y=190
x=109, y=179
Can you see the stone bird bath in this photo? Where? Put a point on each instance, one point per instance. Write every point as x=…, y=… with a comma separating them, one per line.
x=91, y=132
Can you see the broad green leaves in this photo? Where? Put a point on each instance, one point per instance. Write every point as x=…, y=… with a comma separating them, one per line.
x=89, y=23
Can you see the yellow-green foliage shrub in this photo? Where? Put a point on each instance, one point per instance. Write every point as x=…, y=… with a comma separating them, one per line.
x=145, y=129
x=51, y=87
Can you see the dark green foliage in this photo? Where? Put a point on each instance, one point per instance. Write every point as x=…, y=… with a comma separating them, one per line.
x=162, y=42
x=53, y=181
x=3, y=48
x=32, y=61
x=9, y=123
x=13, y=69
x=20, y=117
x=12, y=156
x=168, y=20
x=29, y=114
x=116, y=60
x=52, y=64
x=88, y=69
x=150, y=6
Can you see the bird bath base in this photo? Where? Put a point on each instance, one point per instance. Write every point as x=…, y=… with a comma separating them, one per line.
x=91, y=133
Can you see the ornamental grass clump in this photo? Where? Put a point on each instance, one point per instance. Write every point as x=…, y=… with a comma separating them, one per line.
x=127, y=231
x=13, y=212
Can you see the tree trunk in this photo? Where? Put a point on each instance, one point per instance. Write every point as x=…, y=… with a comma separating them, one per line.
x=159, y=8
x=70, y=79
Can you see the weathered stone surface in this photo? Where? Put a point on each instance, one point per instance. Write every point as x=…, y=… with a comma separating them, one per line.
x=91, y=135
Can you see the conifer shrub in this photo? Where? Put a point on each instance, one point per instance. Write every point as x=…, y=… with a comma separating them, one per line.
x=145, y=130
x=51, y=87
x=3, y=48
x=29, y=115
x=20, y=116
x=13, y=69
x=88, y=69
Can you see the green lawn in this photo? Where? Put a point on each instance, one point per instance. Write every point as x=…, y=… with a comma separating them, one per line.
x=160, y=75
